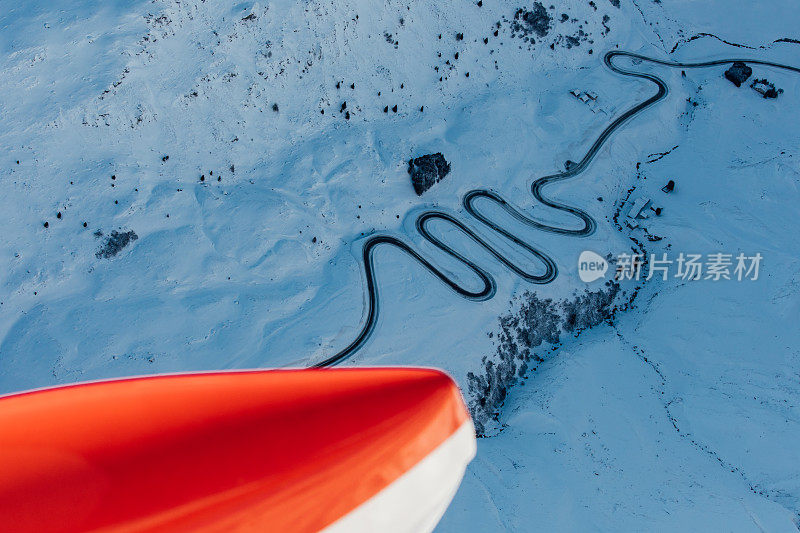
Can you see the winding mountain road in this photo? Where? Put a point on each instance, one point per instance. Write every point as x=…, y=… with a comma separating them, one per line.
x=469, y=200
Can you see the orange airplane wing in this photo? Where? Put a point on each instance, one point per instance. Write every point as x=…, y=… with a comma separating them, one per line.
x=287, y=450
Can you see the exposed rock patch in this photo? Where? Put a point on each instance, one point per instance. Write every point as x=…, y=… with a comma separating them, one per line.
x=738, y=73
x=427, y=170
x=526, y=336
x=535, y=21
x=541, y=25
x=115, y=243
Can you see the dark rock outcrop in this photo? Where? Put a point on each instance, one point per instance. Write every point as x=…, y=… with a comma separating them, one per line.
x=116, y=242
x=536, y=21
x=738, y=73
x=427, y=170
x=527, y=335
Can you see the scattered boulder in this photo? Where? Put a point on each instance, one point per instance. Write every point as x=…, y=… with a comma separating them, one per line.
x=427, y=170
x=738, y=73
x=115, y=242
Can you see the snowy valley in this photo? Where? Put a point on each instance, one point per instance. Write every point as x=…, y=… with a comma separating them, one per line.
x=190, y=184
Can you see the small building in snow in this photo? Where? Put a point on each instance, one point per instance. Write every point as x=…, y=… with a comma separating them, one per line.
x=587, y=97
x=640, y=208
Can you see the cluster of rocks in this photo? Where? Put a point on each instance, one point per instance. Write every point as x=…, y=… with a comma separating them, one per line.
x=532, y=25
x=526, y=336
x=539, y=22
x=427, y=170
x=115, y=243
x=535, y=21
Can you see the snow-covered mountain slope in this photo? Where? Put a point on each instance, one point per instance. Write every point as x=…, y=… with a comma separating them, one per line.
x=159, y=119
x=251, y=147
x=682, y=414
